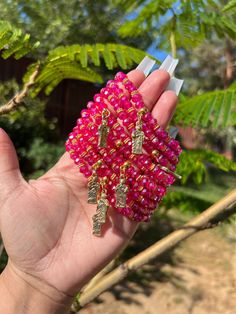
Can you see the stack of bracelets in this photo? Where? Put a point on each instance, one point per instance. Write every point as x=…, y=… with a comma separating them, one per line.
x=129, y=173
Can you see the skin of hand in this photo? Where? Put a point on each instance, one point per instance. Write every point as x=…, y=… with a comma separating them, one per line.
x=46, y=224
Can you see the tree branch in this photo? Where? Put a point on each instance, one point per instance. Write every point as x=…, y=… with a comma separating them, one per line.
x=198, y=223
x=13, y=103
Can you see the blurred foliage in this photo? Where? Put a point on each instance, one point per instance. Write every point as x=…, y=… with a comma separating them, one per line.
x=179, y=24
x=194, y=165
x=204, y=67
x=42, y=155
x=35, y=137
x=14, y=42
x=63, y=22
x=193, y=198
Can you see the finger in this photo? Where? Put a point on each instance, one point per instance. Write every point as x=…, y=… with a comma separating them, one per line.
x=9, y=166
x=137, y=77
x=153, y=86
x=165, y=107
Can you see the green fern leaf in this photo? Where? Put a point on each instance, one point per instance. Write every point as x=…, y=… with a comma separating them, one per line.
x=120, y=58
x=5, y=35
x=209, y=108
x=58, y=70
x=213, y=109
x=25, y=50
x=228, y=108
x=94, y=53
x=13, y=42
x=72, y=62
x=193, y=165
x=83, y=56
x=108, y=57
x=229, y=6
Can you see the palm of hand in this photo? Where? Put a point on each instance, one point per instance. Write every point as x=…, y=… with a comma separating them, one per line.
x=46, y=224
x=48, y=233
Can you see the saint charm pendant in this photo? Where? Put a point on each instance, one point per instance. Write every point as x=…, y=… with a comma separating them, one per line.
x=122, y=189
x=100, y=217
x=121, y=194
x=93, y=184
x=103, y=129
x=137, y=140
x=138, y=135
x=93, y=189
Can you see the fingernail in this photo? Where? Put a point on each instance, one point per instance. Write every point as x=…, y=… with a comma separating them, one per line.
x=146, y=65
x=175, y=85
x=173, y=131
x=169, y=64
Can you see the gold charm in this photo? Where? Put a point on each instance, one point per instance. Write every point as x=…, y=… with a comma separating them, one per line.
x=138, y=135
x=100, y=217
x=97, y=225
x=103, y=129
x=93, y=184
x=176, y=175
x=122, y=188
x=93, y=189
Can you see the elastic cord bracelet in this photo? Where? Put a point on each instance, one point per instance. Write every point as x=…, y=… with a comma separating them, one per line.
x=128, y=158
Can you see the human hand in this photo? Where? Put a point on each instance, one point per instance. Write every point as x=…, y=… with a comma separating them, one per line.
x=46, y=224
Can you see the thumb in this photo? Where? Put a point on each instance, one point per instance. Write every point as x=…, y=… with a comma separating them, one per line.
x=10, y=175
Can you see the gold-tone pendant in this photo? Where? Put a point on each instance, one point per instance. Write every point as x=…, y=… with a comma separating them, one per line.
x=103, y=129
x=121, y=194
x=138, y=135
x=97, y=226
x=137, y=141
x=100, y=217
x=93, y=184
x=93, y=189
x=122, y=188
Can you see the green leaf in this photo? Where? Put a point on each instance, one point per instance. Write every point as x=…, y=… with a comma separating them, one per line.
x=59, y=69
x=213, y=109
x=73, y=62
x=13, y=42
x=83, y=57
x=120, y=58
x=229, y=6
x=193, y=164
x=95, y=55
x=229, y=97
x=108, y=57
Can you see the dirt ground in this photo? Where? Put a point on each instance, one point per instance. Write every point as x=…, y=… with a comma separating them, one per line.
x=200, y=279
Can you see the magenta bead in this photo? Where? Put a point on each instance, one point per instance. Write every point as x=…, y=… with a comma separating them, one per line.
x=130, y=87
x=97, y=98
x=161, y=134
x=88, y=173
x=120, y=76
x=122, y=115
x=147, y=117
x=139, y=105
x=136, y=98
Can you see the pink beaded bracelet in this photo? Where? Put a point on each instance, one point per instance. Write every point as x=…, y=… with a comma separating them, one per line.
x=128, y=158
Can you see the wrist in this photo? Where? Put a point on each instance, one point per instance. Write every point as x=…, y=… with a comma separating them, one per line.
x=23, y=293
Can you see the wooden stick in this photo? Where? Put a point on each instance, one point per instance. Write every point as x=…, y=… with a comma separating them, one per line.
x=98, y=277
x=196, y=224
x=13, y=103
